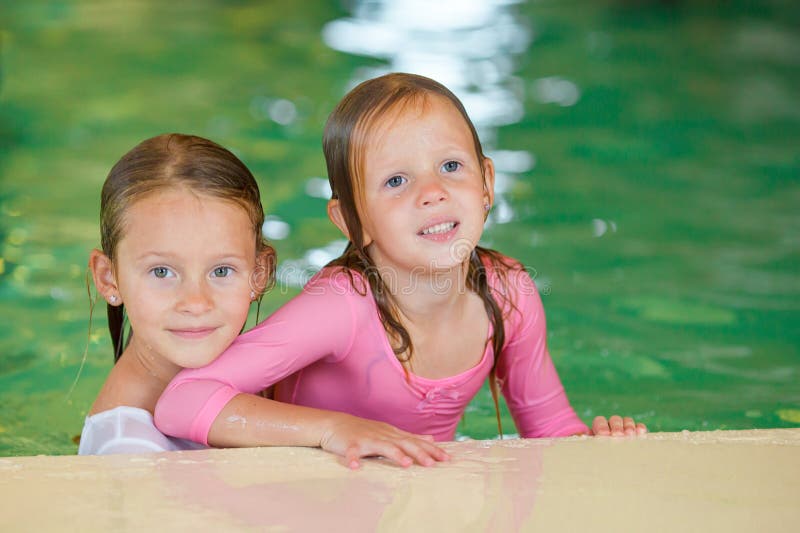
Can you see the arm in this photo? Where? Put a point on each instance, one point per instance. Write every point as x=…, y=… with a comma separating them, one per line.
x=531, y=384
x=217, y=404
x=249, y=420
x=528, y=378
x=295, y=336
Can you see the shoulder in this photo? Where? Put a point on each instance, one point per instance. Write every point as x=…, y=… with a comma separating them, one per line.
x=329, y=299
x=514, y=291
x=121, y=412
x=338, y=281
x=508, y=277
x=334, y=295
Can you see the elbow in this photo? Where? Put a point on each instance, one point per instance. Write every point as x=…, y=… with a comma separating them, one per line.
x=166, y=419
x=188, y=409
x=160, y=417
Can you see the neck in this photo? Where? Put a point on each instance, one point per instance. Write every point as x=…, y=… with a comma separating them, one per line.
x=421, y=296
x=150, y=365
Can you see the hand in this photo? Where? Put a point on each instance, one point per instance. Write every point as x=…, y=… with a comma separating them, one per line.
x=616, y=426
x=353, y=438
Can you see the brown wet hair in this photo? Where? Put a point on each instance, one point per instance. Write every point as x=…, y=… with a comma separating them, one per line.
x=344, y=140
x=176, y=161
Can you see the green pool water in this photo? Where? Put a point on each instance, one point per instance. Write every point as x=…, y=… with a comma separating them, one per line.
x=650, y=154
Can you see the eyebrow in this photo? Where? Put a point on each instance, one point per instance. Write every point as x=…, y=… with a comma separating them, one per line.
x=167, y=255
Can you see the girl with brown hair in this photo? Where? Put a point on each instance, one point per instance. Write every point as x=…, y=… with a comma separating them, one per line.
x=410, y=321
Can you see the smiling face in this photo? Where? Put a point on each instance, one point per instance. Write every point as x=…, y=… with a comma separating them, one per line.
x=183, y=269
x=424, y=189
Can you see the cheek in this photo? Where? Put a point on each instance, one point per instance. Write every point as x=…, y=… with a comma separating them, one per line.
x=237, y=306
x=142, y=313
x=139, y=294
x=145, y=308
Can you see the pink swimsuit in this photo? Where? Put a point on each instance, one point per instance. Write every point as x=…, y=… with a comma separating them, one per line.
x=328, y=346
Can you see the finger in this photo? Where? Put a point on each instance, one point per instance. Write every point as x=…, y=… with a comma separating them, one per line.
x=416, y=450
x=600, y=427
x=350, y=459
x=347, y=463
x=424, y=452
x=434, y=450
x=629, y=426
x=641, y=429
x=438, y=453
x=615, y=423
x=389, y=450
x=419, y=444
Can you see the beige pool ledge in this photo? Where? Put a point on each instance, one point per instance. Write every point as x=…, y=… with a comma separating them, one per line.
x=703, y=481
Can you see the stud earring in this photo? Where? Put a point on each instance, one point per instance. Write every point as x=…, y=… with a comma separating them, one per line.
x=486, y=206
x=112, y=299
x=252, y=295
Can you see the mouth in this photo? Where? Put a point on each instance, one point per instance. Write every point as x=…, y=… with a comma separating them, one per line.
x=439, y=229
x=193, y=333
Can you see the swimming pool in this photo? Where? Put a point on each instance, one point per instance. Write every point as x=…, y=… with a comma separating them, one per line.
x=650, y=176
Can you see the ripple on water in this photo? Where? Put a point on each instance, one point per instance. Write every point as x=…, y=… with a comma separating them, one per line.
x=729, y=361
x=789, y=415
x=647, y=367
x=673, y=311
x=16, y=361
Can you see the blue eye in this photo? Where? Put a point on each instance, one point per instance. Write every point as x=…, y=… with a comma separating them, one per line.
x=395, y=181
x=222, y=272
x=161, y=272
x=451, y=166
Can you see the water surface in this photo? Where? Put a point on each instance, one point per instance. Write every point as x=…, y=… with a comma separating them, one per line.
x=648, y=160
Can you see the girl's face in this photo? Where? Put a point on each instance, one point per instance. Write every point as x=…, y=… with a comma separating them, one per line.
x=425, y=190
x=183, y=270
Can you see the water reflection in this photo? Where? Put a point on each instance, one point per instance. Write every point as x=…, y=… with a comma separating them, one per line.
x=279, y=110
x=317, y=187
x=469, y=46
x=491, y=487
x=275, y=229
x=556, y=90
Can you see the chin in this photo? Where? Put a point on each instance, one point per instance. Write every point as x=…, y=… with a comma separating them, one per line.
x=195, y=361
x=444, y=267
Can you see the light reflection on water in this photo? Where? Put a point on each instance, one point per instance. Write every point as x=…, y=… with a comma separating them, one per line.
x=470, y=48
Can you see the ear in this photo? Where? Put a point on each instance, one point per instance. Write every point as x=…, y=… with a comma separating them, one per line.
x=337, y=217
x=264, y=272
x=488, y=181
x=335, y=214
x=104, y=279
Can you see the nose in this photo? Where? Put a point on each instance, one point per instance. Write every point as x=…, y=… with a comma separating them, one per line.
x=195, y=297
x=431, y=192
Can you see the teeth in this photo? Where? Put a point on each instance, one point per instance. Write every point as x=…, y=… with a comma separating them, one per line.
x=439, y=228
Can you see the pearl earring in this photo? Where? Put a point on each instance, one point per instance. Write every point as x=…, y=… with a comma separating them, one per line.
x=252, y=295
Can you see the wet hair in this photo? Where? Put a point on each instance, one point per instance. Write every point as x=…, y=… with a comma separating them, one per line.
x=175, y=161
x=344, y=143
